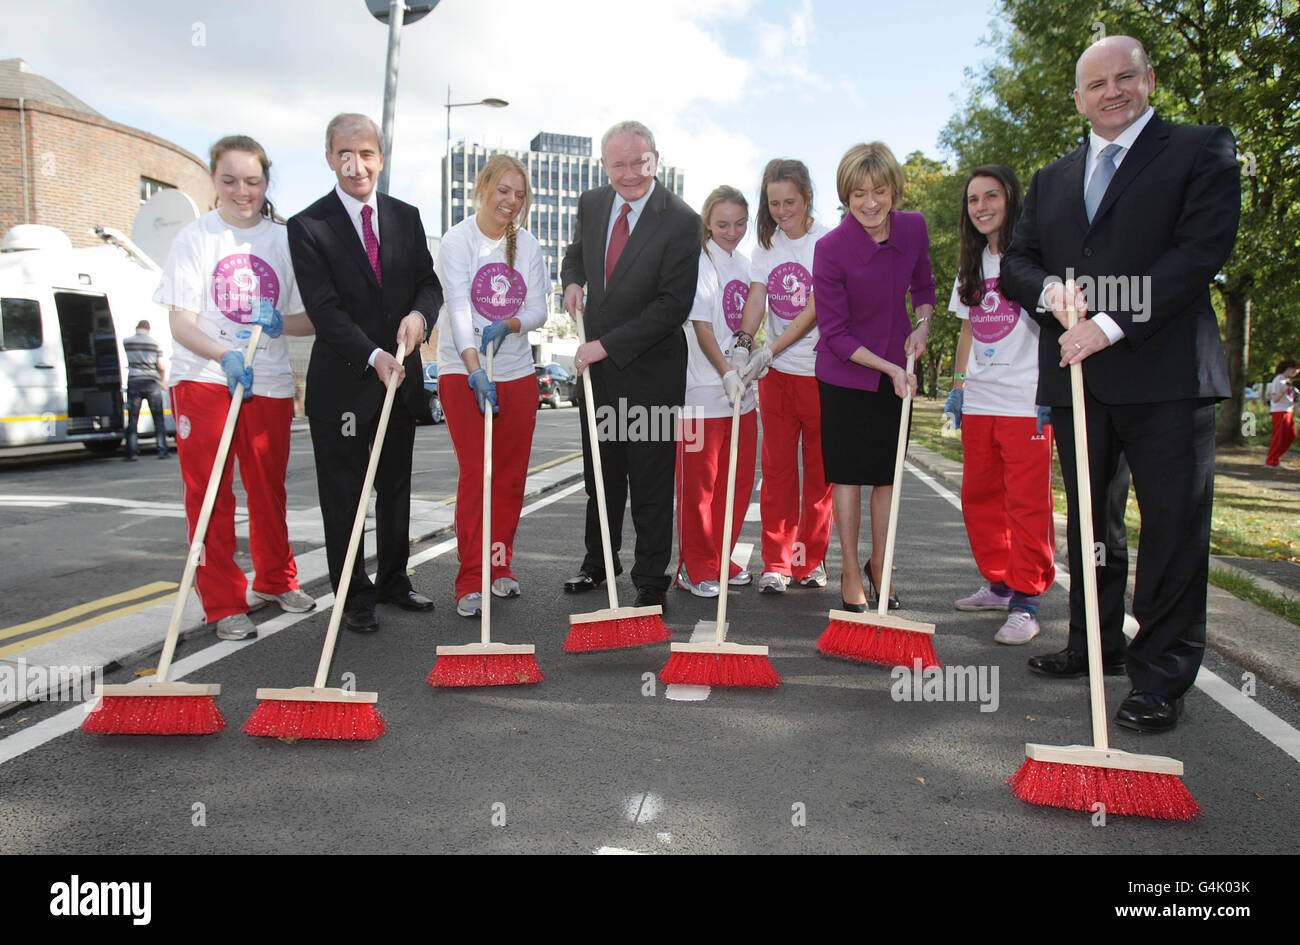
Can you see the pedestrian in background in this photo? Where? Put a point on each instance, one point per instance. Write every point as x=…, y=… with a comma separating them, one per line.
x=146, y=373
x=1281, y=407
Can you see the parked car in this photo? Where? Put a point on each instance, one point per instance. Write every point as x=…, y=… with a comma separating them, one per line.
x=554, y=384
x=433, y=408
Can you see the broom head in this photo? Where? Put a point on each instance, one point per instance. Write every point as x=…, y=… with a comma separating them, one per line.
x=877, y=638
x=1080, y=776
x=720, y=664
x=615, y=628
x=156, y=708
x=485, y=664
x=308, y=712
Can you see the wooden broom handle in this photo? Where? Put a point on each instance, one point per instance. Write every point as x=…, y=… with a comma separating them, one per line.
x=593, y=438
x=896, y=495
x=1087, y=546
x=358, y=525
x=724, y=568
x=486, y=582
x=205, y=515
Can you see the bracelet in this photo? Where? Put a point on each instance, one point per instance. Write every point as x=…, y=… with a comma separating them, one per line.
x=959, y=377
x=922, y=321
x=743, y=339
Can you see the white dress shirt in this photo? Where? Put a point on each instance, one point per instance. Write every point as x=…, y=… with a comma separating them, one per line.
x=632, y=216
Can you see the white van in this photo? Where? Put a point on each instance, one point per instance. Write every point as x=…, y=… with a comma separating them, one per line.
x=63, y=315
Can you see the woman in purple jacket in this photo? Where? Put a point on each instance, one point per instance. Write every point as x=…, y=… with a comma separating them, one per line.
x=862, y=272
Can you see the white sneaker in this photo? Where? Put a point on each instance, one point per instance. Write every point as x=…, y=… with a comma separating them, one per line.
x=471, y=605
x=1021, y=627
x=773, y=583
x=505, y=587
x=236, y=627
x=741, y=579
x=816, y=578
x=293, y=601
x=703, y=589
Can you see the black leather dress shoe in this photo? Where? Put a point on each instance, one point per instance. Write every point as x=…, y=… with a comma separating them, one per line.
x=411, y=600
x=853, y=608
x=650, y=597
x=585, y=581
x=361, y=621
x=1067, y=664
x=1148, y=712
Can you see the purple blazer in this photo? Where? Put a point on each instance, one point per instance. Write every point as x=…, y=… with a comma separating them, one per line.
x=860, y=286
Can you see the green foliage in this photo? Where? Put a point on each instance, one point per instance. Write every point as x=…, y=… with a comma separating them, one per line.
x=935, y=192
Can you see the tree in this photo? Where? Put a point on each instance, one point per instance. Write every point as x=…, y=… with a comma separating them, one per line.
x=933, y=190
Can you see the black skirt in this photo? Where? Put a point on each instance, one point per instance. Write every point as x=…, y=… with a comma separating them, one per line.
x=859, y=433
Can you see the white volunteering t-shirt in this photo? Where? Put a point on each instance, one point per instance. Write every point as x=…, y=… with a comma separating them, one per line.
x=1002, y=374
x=1281, y=398
x=720, y=295
x=216, y=271
x=786, y=271
x=479, y=289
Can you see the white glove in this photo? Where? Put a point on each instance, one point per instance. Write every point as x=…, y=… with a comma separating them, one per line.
x=738, y=358
x=733, y=386
x=758, y=364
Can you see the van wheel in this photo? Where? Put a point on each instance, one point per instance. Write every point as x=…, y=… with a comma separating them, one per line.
x=102, y=447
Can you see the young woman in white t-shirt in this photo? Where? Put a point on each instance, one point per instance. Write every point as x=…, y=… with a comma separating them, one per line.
x=712, y=384
x=226, y=272
x=495, y=291
x=1281, y=407
x=1006, y=491
x=796, y=523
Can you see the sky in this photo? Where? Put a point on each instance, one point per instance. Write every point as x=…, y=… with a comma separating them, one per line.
x=724, y=84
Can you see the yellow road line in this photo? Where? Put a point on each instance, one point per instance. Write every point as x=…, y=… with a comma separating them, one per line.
x=451, y=499
x=83, y=625
x=81, y=609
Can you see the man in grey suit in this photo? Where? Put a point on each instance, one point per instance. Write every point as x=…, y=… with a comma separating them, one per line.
x=636, y=251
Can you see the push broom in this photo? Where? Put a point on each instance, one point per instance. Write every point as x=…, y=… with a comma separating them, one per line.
x=317, y=711
x=721, y=663
x=617, y=626
x=1080, y=776
x=486, y=663
x=879, y=638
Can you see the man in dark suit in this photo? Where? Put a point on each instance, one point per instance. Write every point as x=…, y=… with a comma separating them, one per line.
x=366, y=277
x=1142, y=217
x=636, y=250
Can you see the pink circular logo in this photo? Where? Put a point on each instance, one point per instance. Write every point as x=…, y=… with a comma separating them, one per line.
x=497, y=292
x=789, y=287
x=239, y=279
x=734, y=295
x=994, y=317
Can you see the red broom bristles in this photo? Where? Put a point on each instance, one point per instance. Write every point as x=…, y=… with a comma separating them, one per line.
x=1079, y=787
x=296, y=718
x=614, y=634
x=720, y=669
x=869, y=643
x=486, y=669
x=155, y=715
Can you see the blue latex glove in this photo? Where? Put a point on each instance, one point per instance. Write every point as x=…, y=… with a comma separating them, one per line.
x=495, y=335
x=266, y=315
x=953, y=406
x=232, y=362
x=485, y=391
x=1044, y=414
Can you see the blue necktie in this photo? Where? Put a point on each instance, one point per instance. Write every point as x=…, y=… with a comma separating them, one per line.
x=1100, y=180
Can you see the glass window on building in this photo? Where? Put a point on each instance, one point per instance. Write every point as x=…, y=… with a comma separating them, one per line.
x=149, y=187
x=20, y=325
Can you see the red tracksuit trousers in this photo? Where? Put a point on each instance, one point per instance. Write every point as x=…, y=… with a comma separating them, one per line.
x=1283, y=437
x=261, y=445
x=703, y=451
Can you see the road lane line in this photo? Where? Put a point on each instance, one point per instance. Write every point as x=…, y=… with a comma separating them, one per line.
x=89, y=607
x=52, y=635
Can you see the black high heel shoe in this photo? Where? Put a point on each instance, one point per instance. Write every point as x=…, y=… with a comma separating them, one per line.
x=873, y=593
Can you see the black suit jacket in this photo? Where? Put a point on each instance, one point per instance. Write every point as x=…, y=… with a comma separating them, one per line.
x=638, y=316
x=352, y=315
x=1163, y=230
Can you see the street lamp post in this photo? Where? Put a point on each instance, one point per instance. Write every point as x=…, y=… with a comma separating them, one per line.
x=396, y=13
x=446, y=174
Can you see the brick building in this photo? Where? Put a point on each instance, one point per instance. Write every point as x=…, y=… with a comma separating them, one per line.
x=66, y=165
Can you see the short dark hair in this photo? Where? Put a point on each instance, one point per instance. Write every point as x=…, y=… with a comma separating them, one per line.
x=142, y=325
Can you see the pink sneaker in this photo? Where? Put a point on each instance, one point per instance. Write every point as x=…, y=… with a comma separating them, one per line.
x=1021, y=627
x=984, y=599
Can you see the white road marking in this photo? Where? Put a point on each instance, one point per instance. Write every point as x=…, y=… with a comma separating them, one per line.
x=9, y=503
x=753, y=513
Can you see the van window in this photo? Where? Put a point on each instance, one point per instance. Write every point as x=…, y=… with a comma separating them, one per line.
x=20, y=324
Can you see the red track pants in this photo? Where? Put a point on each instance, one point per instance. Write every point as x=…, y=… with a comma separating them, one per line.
x=796, y=526
x=261, y=445
x=1006, y=500
x=1283, y=436
x=512, y=442
x=703, y=449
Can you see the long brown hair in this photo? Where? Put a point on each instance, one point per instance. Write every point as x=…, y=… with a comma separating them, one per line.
x=779, y=169
x=497, y=167
x=247, y=144
x=970, y=269
x=722, y=194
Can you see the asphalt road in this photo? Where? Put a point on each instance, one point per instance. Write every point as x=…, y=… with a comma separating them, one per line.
x=597, y=757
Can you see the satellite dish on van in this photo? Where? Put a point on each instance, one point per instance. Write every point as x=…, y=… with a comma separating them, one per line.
x=164, y=215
